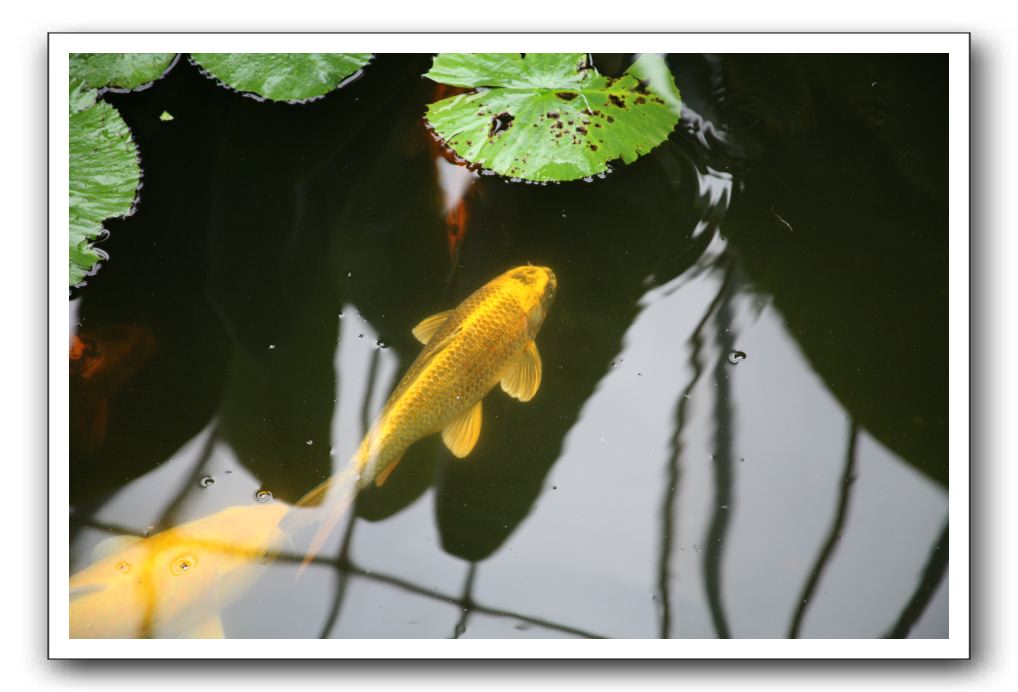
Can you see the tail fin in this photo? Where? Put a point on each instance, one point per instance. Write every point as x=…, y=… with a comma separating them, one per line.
x=342, y=487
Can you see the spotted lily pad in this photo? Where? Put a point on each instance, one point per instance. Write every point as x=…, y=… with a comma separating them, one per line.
x=291, y=77
x=104, y=177
x=551, y=116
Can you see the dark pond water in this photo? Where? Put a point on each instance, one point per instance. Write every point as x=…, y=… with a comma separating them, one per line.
x=742, y=425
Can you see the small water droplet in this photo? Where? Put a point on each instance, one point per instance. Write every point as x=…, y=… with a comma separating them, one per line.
x=262, y=496
x=206, y=481
x=736, y=356
x=563, y=214
x=332, y=451
x=272, y=347
x=309, y=443
x=122, y=566
x=349, y=274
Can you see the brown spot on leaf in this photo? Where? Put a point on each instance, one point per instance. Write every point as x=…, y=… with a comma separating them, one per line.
x=500, y=123
x=565, y=95
x=593, y=147
x=617, y=101
x=581, y=130
x=640, y=100
x=611, y=119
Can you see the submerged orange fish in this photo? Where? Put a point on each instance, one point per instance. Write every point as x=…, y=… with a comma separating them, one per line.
x=455, y=180
x=102, y=362
x=487, y=340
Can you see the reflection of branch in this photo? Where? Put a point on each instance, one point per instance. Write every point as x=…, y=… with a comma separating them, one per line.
x=352, y=569
x=165, y=520
x=833, y=536
x=410, y=587
x=344, y=546
x=723, y=435
x=466, y=601
x=933, y=574
x=341, y=580
x=673, y=475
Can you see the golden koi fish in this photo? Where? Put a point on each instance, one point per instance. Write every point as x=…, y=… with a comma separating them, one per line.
x=175, y=583
x=487, y=340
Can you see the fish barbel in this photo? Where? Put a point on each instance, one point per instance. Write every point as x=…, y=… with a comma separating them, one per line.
x=487, y=340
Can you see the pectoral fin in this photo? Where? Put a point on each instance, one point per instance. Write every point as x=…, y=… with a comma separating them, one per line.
x=210, y=628
x=427, y=328
x=461, y=435
x=524, y=376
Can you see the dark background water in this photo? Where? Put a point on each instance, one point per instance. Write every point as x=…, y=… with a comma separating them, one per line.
x=280, y=255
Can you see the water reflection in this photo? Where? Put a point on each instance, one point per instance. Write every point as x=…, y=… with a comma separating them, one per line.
x=596, y=509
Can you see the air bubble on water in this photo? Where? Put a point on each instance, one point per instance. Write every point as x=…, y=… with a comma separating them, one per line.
x=262, y=496
x=206, y=481
x=563, y=213
x=272, y=347
x=182, y=564
x=349, y=274
x=332, y=451
x=735, y=356
x=309, y=443
x=379, y=343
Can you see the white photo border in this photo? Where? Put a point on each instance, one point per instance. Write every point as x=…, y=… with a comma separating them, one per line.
x=955, y=45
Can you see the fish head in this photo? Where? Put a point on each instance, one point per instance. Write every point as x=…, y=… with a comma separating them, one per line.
x=166, y=583
x=535, y=287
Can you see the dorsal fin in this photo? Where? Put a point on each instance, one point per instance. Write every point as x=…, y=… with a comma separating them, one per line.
x=429, y=325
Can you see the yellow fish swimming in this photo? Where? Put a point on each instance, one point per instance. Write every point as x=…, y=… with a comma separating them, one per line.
x=175, y=583
x=488, y=339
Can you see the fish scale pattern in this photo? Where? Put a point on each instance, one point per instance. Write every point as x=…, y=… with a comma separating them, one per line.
x=461, y=363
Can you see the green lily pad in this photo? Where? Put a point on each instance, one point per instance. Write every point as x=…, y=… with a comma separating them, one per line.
x=290, y=77
x=551, y=116
x=104, y=177
x=119, y=70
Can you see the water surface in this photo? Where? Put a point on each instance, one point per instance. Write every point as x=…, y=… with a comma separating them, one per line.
x=742, y=426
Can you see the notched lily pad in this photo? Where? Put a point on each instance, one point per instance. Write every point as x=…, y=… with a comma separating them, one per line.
x=104, y=178
x=119, y=70
x=551, y=116
x=289, y=77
